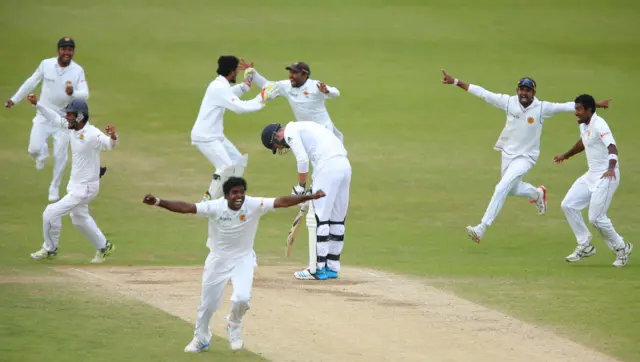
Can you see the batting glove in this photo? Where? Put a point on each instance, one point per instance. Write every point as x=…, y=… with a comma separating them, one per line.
x=297, y=189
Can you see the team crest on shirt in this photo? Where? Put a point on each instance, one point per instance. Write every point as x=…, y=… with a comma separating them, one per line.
x=306, y=94
x=531, y=120
x=243, y=217
x=82, y=136
x=588, y=133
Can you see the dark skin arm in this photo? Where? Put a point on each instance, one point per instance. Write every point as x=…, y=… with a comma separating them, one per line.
x=182, y=207
x=448, y=79
x=611, y=172
x=287, y=201
x=577, y=148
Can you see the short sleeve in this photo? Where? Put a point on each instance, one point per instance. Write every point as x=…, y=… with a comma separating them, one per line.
x=262, y=205
x=207, y=208
x=604, y=132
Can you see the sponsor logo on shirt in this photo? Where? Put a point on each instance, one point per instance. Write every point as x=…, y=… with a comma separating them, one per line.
x=604, y=134
x=224, y=218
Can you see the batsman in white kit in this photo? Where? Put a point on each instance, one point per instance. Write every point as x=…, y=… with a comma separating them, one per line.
x=310, y=141
x=207, y=133
x=233, y=223
x=306, y=96
x=86, y=144
x=63, y=80
x=519, y=144
x=596, y=187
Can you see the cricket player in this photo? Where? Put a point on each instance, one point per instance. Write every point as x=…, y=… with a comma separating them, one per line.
x=62, y=80
x=233, y=222
x=305, y=95
x=310, y=141
x=519, y=144
x=86, y=144
x=596, y=187
x=207, y=132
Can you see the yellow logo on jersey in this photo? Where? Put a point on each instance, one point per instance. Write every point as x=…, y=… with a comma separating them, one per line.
x=243, y=217
x=82, y=136
x=588, y=133
x=530, y=120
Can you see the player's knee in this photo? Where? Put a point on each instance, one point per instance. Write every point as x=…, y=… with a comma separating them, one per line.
x=34, y=151
x=48, y=213
x=76, y=219
x=598, y=221
x=242, y=298
x=565, y=205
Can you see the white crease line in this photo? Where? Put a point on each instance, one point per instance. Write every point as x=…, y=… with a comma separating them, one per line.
x=91, y=274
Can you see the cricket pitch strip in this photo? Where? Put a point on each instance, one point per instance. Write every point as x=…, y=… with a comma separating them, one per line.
x=366, y=315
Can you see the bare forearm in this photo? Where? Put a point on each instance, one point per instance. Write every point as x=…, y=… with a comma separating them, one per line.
x=613, y=160
x=577, y=148
x=178, y=206
x=463, y=85
x=287, y=201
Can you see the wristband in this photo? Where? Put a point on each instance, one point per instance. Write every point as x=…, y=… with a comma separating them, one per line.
x=157, y=202
x=613, y=157
x=455, y=81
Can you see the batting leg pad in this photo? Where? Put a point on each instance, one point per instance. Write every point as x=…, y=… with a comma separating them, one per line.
x=219, y=177
x=336, y=243
x=311, y=226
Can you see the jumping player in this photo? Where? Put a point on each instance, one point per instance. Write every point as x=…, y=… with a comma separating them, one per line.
x=519, y=144
x=596, y=187
x=233, y=222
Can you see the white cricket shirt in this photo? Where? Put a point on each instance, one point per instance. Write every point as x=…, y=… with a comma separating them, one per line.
x=307, y=102
x=219, y=97
x=596, y=137
x=310, y=141
x=521, y=133
x=232, y=233
x=54, y=80
x=86, y=145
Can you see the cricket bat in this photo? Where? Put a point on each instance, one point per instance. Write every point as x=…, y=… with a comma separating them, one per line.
x=291, y=237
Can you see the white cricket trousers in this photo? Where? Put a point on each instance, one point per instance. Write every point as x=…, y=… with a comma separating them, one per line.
x=220, y=153
x=513, y=170
x=599, y=199
x=334, y=178
x=226, y=159
x=39, y=149
x=76, y=204
x=217, y=272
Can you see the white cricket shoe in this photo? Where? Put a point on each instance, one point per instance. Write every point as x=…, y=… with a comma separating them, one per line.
x=541, y=202
x=39, y=165
x=307, y=275
x=582, y=251
x=235, y=335
x=101, y=254
x=622, y=255
x=475, y=232
x=196, y=346
x=43, y=254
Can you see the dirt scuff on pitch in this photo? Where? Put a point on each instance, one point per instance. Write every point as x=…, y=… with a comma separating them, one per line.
x=365, y=316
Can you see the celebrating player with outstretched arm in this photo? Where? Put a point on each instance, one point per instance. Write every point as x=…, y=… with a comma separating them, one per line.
x=64, y=82
x=86, y=144
x=306, y=96
x=207, y=132
x=596, y=187
x=310, y=141
x=233, y=222
x=519, y=144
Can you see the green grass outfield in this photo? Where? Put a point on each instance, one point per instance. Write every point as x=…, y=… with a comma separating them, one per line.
x=423, y=164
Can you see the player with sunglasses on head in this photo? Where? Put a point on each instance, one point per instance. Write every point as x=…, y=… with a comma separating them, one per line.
x=519, y=144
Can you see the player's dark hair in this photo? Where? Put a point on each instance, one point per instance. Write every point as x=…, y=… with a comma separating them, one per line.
x=586, y=101
x=227, y=64
x=233, y=182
